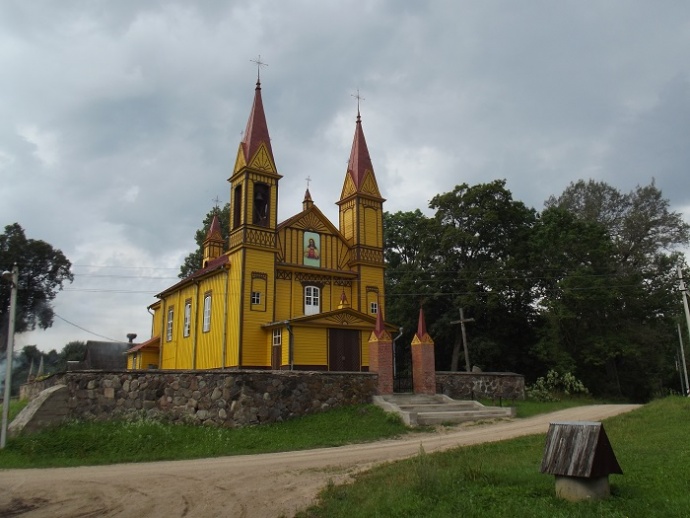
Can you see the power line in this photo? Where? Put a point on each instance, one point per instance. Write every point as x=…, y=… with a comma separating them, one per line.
x=86, y=330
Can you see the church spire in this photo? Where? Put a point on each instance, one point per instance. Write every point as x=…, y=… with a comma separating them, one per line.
x=360, y=161
x=256, y=132
x=214, y=243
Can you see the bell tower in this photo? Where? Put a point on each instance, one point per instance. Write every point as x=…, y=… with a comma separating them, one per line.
x=361, y=223
x=252, y=243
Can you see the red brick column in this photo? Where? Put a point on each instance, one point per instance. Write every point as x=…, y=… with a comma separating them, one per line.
x=381, y=362
x=381, y=356
x=423, y=360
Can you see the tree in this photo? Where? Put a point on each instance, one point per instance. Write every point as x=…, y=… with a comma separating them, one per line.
x=639, y=223
x=614, y=315
x=193, y=261
x=43, y=271
x=464, y=256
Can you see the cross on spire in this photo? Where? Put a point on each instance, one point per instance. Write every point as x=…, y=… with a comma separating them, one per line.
x=259, y=64
x=359, y=98
x=308, y=179
x=216, y=201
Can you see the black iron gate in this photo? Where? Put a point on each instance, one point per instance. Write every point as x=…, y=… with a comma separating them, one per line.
x=402, y=364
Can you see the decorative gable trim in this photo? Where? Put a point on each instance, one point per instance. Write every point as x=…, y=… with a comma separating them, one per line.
x=240, y=162
x=349, y=187
x=262, y=160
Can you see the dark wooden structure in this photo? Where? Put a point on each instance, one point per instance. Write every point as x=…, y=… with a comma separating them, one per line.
x=581, y=458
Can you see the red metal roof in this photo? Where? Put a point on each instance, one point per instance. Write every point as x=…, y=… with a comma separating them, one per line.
x=257, y=129
x=359, y=156
x=153, y=342
x=421, y=325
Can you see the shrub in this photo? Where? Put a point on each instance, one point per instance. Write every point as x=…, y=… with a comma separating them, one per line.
x=555, y=386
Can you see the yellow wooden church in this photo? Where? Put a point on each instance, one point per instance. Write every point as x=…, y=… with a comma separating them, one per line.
x=302, y=294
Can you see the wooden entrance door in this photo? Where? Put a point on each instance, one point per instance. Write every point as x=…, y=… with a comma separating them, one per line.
x=343, y=350
x=276, y=356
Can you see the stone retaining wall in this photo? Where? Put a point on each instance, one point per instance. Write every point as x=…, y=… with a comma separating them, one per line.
x=215, y=398
x=481, y=385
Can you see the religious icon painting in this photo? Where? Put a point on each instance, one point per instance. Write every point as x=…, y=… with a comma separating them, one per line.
x=312, y=249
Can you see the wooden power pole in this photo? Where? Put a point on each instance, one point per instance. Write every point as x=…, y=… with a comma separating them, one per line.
x=456, y=351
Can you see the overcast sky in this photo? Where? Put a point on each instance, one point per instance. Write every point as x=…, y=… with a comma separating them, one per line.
x=120, y=120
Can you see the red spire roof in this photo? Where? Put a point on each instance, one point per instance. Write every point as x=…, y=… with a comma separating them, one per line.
x=257, y=129
x=380, y=327
x=214, y=229
x=359, y=156
x=421, y=325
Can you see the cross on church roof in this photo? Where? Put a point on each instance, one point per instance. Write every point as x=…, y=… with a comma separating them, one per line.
x=259, y=64
x=308, y=179
x=216, y=201
x=359, y=98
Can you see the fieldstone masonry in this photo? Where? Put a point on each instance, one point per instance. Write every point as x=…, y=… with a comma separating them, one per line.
x=213, y=398
x=478, y=385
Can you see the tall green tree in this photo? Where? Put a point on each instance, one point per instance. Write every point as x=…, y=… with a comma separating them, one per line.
x=640, y=222
x=482, y=244
x=615, y=316
x=464, y=256
x=43, y=272
x=193, y=261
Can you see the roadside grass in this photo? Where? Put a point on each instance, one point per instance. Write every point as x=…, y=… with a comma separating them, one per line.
x=16, y=406
x=111, y=442
x=503, y=479
x=94, y=443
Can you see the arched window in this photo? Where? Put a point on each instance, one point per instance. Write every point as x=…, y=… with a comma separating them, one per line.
x=207, y=313
x=312, y=300
x=237, y=207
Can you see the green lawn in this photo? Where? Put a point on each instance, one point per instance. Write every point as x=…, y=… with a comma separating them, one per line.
x=88, y=443
x=82, y=443
x=503, y=479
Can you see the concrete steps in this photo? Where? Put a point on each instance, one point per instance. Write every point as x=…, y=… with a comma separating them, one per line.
x=419, y=409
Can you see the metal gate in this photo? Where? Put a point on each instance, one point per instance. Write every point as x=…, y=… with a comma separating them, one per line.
x=402, y=375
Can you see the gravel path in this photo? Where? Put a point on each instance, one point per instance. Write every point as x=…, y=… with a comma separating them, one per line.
x=268, y=485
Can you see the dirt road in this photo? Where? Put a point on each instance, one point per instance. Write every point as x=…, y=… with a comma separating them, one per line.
x=266, y=485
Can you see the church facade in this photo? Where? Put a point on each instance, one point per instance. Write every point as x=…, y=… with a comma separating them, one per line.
x=300, y=294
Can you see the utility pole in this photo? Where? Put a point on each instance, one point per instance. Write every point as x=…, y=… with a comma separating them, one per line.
x=684, y=295
x=12, y=277
x=682, y=359
x=456, y=352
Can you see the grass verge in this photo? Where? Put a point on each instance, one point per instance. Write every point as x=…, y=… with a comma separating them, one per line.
x=91, y=443
x=503, y=479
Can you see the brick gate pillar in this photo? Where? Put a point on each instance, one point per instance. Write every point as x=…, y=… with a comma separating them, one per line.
x=381, y=356
x=423, y=360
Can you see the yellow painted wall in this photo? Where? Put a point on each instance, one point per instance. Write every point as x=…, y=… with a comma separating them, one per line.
x=310, y=346
x=209, y=345
x=233, y=310
x=255, y=350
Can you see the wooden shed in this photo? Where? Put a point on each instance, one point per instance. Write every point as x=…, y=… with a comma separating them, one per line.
x=581, y=458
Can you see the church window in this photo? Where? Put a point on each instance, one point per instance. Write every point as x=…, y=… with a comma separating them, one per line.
x=312, y=295
x=277, y=337
x=187, y=318
x=169, y=324
x=237, y=207
x=261, y=204
x=206, y=326
x=373, y=308
x=258, y=292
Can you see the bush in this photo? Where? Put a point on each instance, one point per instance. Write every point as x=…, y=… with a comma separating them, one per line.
x=556, y=386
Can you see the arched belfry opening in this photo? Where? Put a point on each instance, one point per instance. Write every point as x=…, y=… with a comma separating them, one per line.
x=262, y=204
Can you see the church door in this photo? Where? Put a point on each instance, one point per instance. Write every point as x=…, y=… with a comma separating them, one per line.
x=343, y=350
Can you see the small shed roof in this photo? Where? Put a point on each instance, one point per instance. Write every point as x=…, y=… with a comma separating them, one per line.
x=106, y=355
x=579, y=449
